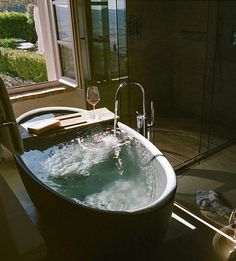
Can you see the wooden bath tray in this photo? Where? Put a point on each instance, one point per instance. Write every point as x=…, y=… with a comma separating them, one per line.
x=69, y=121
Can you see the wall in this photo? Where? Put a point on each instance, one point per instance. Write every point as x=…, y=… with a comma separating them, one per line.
x=224, y=105
x=172, y=52
x=190, y=43
x=169, y=54
x=150, y=48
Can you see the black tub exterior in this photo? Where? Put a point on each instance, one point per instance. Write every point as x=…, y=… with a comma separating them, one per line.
x=114, y=234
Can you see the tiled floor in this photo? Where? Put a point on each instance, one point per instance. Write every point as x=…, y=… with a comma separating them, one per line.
x=217, y=172
x=181, y=138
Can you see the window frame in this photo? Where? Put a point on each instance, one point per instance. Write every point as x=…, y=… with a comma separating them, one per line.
x=73, y=44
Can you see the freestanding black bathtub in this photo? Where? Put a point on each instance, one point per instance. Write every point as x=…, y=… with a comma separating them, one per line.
x=102, y=234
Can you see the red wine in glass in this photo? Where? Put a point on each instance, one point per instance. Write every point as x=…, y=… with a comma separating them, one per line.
x=93, y=101
x=93, y=96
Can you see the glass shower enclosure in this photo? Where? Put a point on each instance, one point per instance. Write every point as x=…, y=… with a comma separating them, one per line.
x=181, y=51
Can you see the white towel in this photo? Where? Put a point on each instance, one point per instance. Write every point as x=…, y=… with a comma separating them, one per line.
x=9, y=135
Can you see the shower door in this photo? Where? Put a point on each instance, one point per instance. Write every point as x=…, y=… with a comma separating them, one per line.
x=167, y=55
x=213, y=180
x=219, y=118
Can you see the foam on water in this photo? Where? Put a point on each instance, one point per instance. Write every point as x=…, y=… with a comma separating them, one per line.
x=78, y=156
x=100, y=170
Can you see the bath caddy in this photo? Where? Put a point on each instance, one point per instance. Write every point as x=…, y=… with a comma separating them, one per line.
x=69, y=121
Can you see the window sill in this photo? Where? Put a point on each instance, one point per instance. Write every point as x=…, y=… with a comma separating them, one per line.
x=33, y=87
x=38, y=93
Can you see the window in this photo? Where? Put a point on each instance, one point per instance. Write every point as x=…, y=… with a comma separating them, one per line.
x=81, y=39
x=45, y=37
x=65, y=44
x=107, y=37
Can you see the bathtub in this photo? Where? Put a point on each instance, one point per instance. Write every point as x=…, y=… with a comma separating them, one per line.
x=101, y=233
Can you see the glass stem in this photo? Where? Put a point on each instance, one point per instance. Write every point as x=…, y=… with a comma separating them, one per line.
x=94, y=116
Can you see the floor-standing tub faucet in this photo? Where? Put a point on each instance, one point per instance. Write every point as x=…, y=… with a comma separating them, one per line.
x=141, y=118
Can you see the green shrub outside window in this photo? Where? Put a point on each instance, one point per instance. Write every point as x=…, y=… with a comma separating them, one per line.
x=26, y=65
x=18, y=63
x=17, y=25
x=8, y=43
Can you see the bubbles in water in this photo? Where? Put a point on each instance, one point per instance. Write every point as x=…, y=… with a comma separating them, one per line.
x=120, y=195
x=78, y=155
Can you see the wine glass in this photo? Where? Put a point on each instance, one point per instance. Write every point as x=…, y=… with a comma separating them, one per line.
x=93, y=96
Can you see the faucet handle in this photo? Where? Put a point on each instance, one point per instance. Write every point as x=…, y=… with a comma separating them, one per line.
x=140, y=120
x=151, y=124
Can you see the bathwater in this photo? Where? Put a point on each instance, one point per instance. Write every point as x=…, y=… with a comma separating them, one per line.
x=99, y=169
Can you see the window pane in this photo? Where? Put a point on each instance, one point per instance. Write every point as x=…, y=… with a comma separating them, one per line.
x=63, y=23
x=65, y=38
x=121, y=37
x=101, y=46
x=100, y=22
x=99, y=60
x=118, y=38
x=67, y=62
x=109, y=39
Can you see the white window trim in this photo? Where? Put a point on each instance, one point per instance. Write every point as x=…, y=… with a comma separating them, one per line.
x=56, y=43
x=50, y=53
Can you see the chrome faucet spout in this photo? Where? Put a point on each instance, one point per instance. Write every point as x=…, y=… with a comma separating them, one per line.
x=143, y=115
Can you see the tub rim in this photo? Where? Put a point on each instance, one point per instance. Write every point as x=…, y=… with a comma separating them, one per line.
x=171, y=182
x=164, y=198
